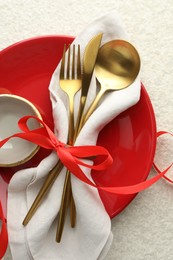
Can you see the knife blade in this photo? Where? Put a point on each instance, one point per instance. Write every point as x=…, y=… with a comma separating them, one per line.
x=89, y=60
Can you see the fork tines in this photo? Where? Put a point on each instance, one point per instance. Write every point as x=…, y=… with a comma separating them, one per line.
x=70, y=70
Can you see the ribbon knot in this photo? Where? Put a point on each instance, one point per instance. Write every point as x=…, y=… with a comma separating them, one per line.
x=57, y=144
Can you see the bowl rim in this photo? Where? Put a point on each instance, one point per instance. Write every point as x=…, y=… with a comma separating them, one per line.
x=37, y=114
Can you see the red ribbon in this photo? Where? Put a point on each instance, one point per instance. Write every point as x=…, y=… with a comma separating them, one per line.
x=160, y=133
x=3, y=234
x=71, y=158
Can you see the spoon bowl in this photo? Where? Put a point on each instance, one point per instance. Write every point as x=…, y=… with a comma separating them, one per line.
x=117, y=66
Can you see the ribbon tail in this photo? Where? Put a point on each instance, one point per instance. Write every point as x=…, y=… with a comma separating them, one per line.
x=68, y=160
x=132, y=189
x=3, y=234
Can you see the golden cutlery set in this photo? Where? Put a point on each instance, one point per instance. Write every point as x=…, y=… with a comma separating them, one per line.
x=115, y=65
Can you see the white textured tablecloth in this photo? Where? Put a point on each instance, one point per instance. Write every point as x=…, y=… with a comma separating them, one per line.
x=144, y=229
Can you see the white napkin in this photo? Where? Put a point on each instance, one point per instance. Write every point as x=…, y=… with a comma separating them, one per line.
x=91, y=238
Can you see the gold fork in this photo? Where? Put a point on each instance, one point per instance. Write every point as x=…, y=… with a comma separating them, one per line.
x=70, y=83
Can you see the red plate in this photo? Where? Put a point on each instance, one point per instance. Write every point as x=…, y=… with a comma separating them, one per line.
x=26, y=68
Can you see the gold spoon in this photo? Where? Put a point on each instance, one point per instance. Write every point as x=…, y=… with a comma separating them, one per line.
x=117, y=66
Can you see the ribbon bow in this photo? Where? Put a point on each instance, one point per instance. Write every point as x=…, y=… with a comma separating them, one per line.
x=70, y=156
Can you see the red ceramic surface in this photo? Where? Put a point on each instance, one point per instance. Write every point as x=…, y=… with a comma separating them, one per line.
x=26, y=68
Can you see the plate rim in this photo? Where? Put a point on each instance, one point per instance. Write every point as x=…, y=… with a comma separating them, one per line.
x=153, y=149
x=40, y=37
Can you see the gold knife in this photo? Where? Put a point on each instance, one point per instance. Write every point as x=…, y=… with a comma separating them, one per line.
x=89, y=60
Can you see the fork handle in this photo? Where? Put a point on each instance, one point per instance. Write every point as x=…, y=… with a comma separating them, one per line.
x=71, y=120
x=71, y=141
x=67, y=195
x=72, y=209
x=64, y=205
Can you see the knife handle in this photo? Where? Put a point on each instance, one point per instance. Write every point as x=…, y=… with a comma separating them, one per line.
x=79, y=116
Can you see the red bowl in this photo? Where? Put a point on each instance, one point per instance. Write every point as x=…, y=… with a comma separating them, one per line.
x=26, y=69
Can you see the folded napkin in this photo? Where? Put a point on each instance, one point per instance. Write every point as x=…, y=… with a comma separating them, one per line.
x=91, y=238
